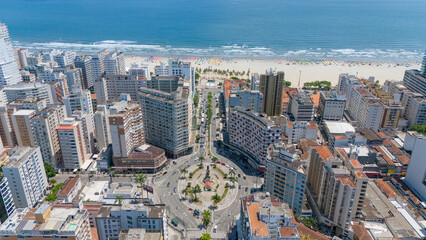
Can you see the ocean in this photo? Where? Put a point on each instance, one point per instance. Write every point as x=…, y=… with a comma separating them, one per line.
x=361, y=30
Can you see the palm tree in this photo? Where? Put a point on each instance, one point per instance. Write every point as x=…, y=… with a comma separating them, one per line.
x=201, y=158
x=183, y=171
x=233, y=180
x=195, y=190
x=119, y=199
x=231, y=172
x=207, y=215
x=216, y=199
x=141, y=179
x=186, y=191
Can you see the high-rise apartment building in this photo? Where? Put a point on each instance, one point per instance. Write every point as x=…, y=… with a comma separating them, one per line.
x=26, y=175
x=7, y=206
x=97, y=64
x=249, y=99
x=88, y=127
x=179, y=68
x=271, y=86
x=7, y=132
x=415, y=81
x=285, y=177
x=301, y=107
x=414, y=108
x=21, y=122
x=72, y=143
x=295, y=131
x=44, y=126
x=165, y=83
x=114, y=63
x=345, y=84
x=167, y=119
x=141, y=70
x=22, y=57
x=29, y=104
x=101, y=119
x=252, y=133
x=78, y=99
x=64, y=58
x=48, y=75
x=9, y=72
x=255, y=81
x=331, y=189
x=331, y=106
x=126, y=128
x=111, y=87
x=83, y=62
x=72, y=74
x=29, y=90
x=111, y=220
x=416, y=172
x=48, y=222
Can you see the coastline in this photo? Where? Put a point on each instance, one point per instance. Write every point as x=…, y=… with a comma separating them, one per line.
x=324, y=70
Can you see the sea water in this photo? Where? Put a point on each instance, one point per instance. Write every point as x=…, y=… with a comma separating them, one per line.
x=393, y=30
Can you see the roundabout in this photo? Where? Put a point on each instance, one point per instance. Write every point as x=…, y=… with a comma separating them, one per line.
x=208, y=186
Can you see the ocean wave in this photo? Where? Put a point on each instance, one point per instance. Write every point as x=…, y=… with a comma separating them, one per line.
x=234, y=51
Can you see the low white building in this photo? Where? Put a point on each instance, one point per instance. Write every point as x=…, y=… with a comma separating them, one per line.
x=331, y=106
x=295, y=131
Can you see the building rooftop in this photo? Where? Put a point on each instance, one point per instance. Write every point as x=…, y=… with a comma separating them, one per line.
x=69, y=184
x=335, y=127
x=18, y=155
x=323, y=151
x=385, y=189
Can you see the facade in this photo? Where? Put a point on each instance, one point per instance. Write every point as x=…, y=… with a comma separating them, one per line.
x=414, y=108
x=114, y=63
x=332, y=192
x=144, y=158
x=7, y=132
x=7, y=206
x=416, y=173
x=9, y=72
x=179, y=68
x=44, y=126
x=21, y=122
x=47, y=222
x=126, y=127
x=78, y=100
x=101, y=119
x=265, y=217
x=165, y=83
x=271, y=86
x=295, y=131
x=48, y=75
x=141, y=70
x=64, y=58
x=72, y=74
x=301, y=107
x=29, y=90
x=331, y=106
x=111, y=220
x=345, y=84
x=285, y=177
x=249, y=99
x=88, y=128
x=415, y=81
x=72, y=143
x=167, y=119
x=252, y=133
x=83, y=63
x=25, y=171
x=111, y=87
x=255, y=79
x=97, y=64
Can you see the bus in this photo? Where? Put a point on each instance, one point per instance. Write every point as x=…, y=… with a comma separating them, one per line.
x=174, y=222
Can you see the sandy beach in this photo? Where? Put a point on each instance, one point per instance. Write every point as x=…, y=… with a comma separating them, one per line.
x=327, y=70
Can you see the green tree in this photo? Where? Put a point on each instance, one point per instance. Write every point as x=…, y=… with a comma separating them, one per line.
x=418, y=128
x=50, y=172
x=183, y=171
x=186, y=191
x=233, y=180
x=216, y=199
x=214, y=159
x=206, y=236
x=197, y=76
x=201, y=166
x=231, y=172
x=207, y=215
x=201, y=158
x=119, y=199
x=141, y=179
x=287, y=84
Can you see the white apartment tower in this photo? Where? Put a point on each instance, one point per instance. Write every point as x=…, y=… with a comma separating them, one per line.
x=416, y=172
x=71, y=139
x=44, y=126
x=114, y=63
x=21, y=122
x=97, y=64
x=88, y=128
x=78, y=100
x=139, y=70
x=9, y=72
x=25, y=171
x=331, y=106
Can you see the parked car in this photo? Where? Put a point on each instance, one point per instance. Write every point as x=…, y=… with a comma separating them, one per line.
x=223, y=164
x=174, y=190
x=168, y=184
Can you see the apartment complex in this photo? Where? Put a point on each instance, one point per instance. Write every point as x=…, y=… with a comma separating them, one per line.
x=44, y=126
x=97, y=64
x=249, y=99
x=84, y=64
x=141, y=70
x=7, y=132
x=167, y=119
x=111, y=220
x=7, y=206
x=29, y=90
x=301, y=107
x=21, y=122
x=415, y=81
x=266, y=217
x=26, y=175
x=114, y=63
x=252, y=133
x=295, y=131
x=126, y=128
x=332, y=192
x=414, y=108
x=9, y=72
x=285, y=177
x=72, y=143
x=79, y=99
x=271, y=86
x=47, y=222
x=331, y=106
x=103, y=135
x=416, y=173
x=111, y=87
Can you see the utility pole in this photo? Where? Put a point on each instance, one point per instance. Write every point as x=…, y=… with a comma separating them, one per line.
x=300, y=74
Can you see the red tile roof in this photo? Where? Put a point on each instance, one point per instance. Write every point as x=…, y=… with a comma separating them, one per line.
x=363, y=91
x=323, y=151
x=404, y=159
x=229, y=83
x=68, y=186
x=305, y=231
x=360, y=231
x=315, y=98
x=66, y=127
x=356, y=164
x=258, y=228
x=360, y=174
x=385, y=188
x=346, y=181
x=286, y=232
